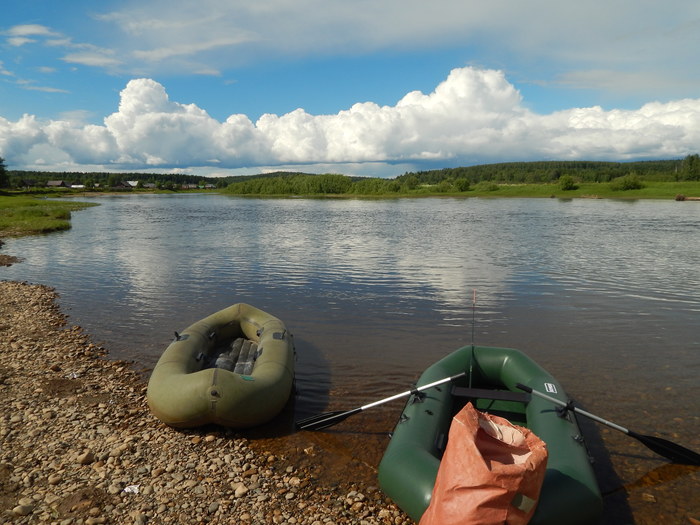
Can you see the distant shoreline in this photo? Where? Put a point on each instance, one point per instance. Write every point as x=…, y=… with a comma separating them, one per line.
x=28, y=213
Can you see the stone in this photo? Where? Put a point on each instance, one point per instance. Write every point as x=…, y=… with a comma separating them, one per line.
x=241, y=490
x=86, y=457
x=54, y=479
x=23, y=510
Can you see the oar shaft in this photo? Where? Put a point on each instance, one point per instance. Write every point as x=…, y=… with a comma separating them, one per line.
x=409, y=392
x=575, y=409
x=662, y=447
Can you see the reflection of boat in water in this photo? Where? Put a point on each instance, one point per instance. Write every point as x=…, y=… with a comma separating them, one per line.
x=410, y=464
x=234, y=368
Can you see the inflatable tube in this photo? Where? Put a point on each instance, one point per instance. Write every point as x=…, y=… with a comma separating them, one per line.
x=234, y=368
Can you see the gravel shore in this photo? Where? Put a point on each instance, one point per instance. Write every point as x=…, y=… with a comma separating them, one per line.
x=79, y=445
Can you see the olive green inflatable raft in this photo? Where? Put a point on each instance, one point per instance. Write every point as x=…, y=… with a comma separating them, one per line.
x=234, y=368
x=408, y=469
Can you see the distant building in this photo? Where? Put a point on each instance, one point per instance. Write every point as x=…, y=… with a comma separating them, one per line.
x=56, y=184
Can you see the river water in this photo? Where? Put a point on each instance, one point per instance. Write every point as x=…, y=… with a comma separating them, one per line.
x=604, y=294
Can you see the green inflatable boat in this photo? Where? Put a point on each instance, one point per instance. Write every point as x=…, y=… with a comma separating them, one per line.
x=234, y=368
x=409, y=467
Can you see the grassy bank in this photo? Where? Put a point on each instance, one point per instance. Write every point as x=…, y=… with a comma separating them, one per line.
x=602, y=190
x=384, y=188
x=23, y=215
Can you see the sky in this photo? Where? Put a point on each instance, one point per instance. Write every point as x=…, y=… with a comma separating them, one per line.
x=360, y=87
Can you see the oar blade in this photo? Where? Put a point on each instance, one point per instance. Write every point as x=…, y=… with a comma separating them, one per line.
x=668, y=449
x=325, y=420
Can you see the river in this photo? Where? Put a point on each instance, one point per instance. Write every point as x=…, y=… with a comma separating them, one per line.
x=604, y=294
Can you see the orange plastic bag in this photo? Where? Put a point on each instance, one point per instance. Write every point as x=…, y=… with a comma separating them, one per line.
x=491, y=473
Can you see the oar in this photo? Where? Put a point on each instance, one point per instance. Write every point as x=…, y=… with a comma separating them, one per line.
x=328, y=419
x=663, y=447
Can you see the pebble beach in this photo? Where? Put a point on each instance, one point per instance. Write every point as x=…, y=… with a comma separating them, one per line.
x=79, y=445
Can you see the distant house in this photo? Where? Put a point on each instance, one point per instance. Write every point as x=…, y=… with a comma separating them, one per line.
x=77, y=186
x=189, y=187
x=132, y=183
x=209, y=187
x=149, y=185
x=56, y=184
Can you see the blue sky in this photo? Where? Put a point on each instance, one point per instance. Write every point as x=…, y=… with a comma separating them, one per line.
x=367, y=87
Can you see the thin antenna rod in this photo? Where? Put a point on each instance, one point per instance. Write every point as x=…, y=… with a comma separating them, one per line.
x=471, y=357
x=473, y=315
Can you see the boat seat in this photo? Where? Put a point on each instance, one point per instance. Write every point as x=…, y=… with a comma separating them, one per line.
x=240, y=357
x=486, y=393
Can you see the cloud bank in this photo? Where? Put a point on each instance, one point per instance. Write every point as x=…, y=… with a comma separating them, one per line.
x=473, y=116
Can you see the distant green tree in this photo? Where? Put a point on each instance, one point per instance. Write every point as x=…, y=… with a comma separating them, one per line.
x=690, y=167
x=393, y=186
x=461, y=184
x=4, y=177
x=567, y=183
x=444, y=187
x=630, y=181
x=114, y=180
x=410, y=181
x=368, y=186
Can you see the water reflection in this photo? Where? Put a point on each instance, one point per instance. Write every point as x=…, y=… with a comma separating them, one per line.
x=386, y=286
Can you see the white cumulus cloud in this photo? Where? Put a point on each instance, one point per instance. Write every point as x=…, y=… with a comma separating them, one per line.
x=474, y=115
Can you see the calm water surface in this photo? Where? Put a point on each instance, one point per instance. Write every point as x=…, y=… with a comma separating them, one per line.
x=604, y=294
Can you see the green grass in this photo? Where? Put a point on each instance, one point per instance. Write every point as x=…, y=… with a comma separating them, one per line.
x=22, y=215
x=601, y=190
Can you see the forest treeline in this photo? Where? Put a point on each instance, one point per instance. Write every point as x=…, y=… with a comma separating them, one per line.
x=550, y=171
x=448, y=180
x=462, y=179
x=26, y=178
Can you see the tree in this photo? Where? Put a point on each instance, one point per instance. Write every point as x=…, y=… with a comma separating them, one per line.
x=4, y=177
x=461, y=184
x=567, y=183
x=690, y=167
x=631, y=181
